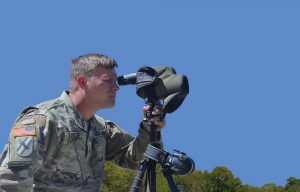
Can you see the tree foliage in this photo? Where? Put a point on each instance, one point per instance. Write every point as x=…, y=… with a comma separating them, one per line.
x=220, y=179
x=293, y=185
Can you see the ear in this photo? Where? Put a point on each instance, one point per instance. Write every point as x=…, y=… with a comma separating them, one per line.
x=81, y=81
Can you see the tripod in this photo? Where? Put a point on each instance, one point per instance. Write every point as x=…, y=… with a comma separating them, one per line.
x=152, y=155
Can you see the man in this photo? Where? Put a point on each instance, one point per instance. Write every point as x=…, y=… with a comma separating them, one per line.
x=60, y=145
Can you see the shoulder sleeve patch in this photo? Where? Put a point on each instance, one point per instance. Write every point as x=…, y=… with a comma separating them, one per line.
x=24, y=131
x=24, y=146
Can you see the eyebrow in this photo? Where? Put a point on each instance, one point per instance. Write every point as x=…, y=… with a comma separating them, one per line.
x=109, y=77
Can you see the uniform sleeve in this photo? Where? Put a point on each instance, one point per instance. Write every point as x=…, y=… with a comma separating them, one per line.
x=125, y=150
x=27, y=144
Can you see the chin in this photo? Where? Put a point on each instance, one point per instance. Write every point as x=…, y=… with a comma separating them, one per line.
x=110, y=105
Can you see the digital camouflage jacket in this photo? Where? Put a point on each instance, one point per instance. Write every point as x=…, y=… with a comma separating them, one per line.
x=52, y=149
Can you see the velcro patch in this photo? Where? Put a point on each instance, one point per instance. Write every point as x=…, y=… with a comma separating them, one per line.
x=24, y=146
x=24, y=131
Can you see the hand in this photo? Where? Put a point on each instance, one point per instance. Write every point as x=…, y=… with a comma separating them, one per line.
x=160, y=124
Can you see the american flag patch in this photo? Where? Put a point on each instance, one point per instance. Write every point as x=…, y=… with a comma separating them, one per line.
x=24, y=131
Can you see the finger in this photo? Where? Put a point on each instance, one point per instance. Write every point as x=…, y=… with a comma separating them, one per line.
x=157, y=112
x=145, y=109
x=160, y=124
x=158, y=117
x=159, y=128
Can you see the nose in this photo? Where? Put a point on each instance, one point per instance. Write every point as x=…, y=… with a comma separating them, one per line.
x=116, y=87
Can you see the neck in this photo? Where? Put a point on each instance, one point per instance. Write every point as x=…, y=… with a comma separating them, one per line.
x=79, y=102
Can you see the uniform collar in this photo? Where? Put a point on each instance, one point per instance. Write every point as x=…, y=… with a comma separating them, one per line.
x=73, y=111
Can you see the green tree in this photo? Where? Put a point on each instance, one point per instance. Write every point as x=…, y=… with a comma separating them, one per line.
x=248, y=188
x=271, y=187
x=222, y=180
x=190, y=183
x=293, y=185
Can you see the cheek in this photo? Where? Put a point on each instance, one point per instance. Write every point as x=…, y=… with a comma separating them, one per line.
x=101, y=90
x=97, y=85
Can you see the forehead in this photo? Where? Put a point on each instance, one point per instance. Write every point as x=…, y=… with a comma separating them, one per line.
x=104, y=72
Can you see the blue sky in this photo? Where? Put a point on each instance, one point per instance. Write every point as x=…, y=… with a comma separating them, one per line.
x=241, y=58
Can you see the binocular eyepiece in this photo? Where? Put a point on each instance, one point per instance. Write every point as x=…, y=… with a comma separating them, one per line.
x=178, y=162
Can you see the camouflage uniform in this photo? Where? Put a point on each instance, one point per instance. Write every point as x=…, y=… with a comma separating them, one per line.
x=51, y=148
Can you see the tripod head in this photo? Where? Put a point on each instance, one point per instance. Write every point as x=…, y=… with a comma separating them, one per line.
x=178, y=162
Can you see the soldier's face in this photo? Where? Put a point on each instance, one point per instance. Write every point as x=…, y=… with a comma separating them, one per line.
x=102, y=89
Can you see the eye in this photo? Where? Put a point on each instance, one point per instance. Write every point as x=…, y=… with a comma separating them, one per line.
x=111, y=81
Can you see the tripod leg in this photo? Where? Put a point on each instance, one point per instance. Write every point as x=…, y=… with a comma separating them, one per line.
x=138, y=180
x=151, y=176
x=168, y=175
